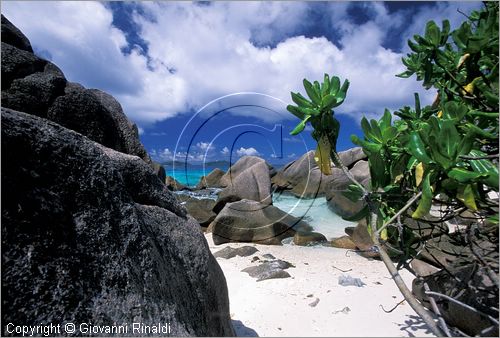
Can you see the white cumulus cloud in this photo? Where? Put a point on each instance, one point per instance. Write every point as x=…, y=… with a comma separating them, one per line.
x=247, y=152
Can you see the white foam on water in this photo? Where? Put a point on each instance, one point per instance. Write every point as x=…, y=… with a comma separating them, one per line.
x=315, y=212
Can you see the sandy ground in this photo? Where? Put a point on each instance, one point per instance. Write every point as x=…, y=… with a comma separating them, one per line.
x=281, y=307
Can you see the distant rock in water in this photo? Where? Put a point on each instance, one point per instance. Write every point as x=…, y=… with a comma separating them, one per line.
x=212, y=180
x=91, y=235
x=174, y=185
x=306, y=238
x=36, y=86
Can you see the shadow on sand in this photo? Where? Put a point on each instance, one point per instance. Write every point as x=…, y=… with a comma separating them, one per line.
x=243, y=331
x=413, y=324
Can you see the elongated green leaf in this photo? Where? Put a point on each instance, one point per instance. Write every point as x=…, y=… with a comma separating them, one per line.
x=485, y=166
x=466, y=195
x=328, y=101
x=353, y=193
x=417, y=148
x=358, y=216
x=311, y=92
x=325, y=87
x=424, y=206
x=342, y=92
x=465, y=176
x=295, y=111
x=334, y=85
x=301, y=101
x=309, y=111
x=432, y=33
x=300, y=126
x=377, y=134
x=449, y=139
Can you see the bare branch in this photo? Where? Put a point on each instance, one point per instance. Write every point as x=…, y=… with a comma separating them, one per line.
x=435, y=308
x=451, y=299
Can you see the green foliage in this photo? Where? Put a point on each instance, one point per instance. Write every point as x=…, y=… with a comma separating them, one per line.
x=318, y=108
x=442, y=139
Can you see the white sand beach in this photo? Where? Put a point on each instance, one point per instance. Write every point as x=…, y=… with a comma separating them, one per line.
x=311, y=302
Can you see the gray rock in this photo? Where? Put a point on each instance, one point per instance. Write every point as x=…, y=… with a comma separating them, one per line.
x=351, y=156
x=314, y=303
x=253, y=183
x=308, y=238
x=174, y=185
x=251, y=221
x=346, y=280
x=36, y=86
x=467, y=283
x=303, y=178
x=201, y=210
x=241, y=165
x=17, y=63
x=127, y=135
x=212, y=180
x=229, y=252
x=336, y=201
x=269, y=270
x=159, y=171
x=89, y=236
x=14, y=37
x=343, y=242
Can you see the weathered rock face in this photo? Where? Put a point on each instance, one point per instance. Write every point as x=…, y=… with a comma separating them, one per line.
x=482, y=297
x=174, y=185
x=201, y=210
x=240, y=166
x=36, y=86
x=14, y=37
x=212, y=180
x=343, y=242
x=308, y=238
x=303, y=178
x=251, y=221
x=91, y=235
x=336, y=201
x=252, y=183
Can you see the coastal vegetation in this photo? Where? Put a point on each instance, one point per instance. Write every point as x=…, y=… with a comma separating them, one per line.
x=441, y=158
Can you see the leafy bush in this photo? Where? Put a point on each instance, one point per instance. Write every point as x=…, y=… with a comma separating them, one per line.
x=444, y=154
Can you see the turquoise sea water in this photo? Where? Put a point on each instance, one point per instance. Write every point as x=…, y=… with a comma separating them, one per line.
x=314, y=211
x=192, y=176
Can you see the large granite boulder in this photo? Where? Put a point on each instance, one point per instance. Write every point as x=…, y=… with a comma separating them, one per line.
x=201, y=210
x=240, y=166
x=212, y=180
x=339, y=183
x=303, y=178
x=90, y=234
x=252, y=221
x=14, y=37
x=252, y=183
x=36, y=86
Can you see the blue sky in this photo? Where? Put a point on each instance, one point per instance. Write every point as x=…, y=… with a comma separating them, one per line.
x=210, y=80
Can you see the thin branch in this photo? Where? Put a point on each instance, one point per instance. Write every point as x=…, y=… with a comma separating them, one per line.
x=453, y=300
x=407, y=294
x=333, y=266
x=400, y=212
x=491, y=273
x=435, y=308
x=394, y=308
